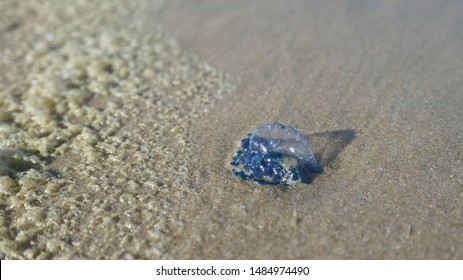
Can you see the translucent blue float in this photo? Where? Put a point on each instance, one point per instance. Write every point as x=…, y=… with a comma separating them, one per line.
x=276, y=154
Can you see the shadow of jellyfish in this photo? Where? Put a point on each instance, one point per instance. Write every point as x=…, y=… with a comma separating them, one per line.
x=329, y=144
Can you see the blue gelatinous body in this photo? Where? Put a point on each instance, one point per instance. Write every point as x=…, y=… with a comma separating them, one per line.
x=275, y=154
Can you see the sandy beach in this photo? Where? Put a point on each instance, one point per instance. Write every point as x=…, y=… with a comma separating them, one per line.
x=118, y=121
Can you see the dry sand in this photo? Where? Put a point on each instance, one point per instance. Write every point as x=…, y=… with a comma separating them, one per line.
x=116, y=131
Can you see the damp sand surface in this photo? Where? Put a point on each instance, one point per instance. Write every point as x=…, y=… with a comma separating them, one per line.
x=117, y=123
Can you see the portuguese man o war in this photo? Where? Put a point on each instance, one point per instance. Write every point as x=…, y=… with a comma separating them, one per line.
x=275, y=154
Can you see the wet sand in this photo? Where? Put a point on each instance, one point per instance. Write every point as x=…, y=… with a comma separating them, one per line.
x=389, y=71
x=141, y=165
